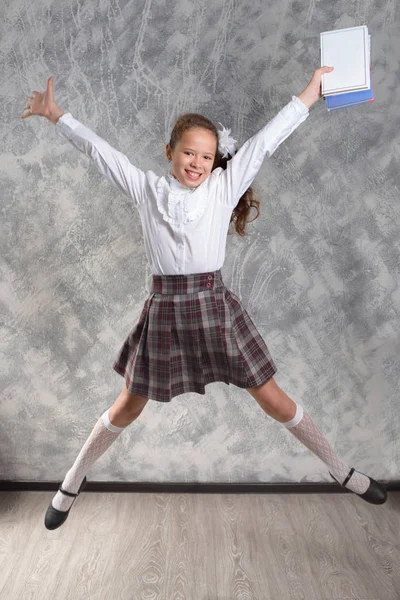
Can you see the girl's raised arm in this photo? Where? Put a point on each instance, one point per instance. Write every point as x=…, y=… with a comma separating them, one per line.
x=111, y=163
x=244, y=166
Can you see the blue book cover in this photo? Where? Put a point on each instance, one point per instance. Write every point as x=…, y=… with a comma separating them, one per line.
x=349, y=99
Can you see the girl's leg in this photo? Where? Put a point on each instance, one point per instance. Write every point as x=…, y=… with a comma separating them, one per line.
x=278, y=405
x=113, y=421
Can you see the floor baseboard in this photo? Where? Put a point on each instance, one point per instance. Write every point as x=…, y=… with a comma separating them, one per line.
x=191, y=487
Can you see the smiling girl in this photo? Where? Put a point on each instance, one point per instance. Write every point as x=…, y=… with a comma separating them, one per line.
x=192, y=330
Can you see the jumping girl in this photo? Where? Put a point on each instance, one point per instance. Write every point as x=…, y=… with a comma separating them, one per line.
x=192, y=329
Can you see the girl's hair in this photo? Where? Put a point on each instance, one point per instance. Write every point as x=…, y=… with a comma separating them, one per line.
x=240, y=215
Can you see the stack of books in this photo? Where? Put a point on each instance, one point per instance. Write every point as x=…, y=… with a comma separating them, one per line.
x=349, y=52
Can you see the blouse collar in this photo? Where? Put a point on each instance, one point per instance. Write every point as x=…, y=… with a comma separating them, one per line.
x=176, y=186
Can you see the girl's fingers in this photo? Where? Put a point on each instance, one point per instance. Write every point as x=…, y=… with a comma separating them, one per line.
x=50, y=87
x=32, y=99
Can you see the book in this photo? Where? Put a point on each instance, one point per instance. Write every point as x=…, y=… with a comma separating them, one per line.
x=348, y=51
x=350, y=99
x=335, y=101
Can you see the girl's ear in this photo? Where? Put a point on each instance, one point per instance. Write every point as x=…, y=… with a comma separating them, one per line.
x=168, y=152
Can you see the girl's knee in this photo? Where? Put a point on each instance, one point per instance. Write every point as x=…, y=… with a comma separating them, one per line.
x=274, y=401
x=130, y=404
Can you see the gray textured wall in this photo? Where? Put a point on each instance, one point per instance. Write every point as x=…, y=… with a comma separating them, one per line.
x=318, y=273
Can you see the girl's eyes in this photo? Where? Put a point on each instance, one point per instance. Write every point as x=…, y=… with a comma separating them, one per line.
x=187, y=152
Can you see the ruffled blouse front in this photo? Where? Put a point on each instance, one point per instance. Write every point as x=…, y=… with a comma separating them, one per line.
x=178, y=203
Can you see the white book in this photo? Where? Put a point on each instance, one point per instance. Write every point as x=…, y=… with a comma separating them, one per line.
x=348, y=51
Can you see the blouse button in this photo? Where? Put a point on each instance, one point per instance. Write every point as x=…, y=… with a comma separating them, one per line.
x=208, y=284
x=209, y=277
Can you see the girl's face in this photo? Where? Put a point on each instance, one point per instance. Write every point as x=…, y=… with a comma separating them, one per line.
x=193, y=156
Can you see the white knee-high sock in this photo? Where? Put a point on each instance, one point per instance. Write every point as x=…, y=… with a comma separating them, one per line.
x=306, y=431
x=102, y=436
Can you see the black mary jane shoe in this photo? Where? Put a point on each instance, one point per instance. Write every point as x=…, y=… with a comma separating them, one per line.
x=375, y=494
x=55, y=518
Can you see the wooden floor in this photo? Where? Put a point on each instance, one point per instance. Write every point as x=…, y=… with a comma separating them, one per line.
x=201, y=547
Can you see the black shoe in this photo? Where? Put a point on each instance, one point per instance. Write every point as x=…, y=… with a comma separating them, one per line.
x=55, y=518
x=375, y=494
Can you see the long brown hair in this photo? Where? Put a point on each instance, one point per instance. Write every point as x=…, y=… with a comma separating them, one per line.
x=241, y=213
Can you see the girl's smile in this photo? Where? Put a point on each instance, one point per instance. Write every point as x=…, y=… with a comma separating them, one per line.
x=193, y=175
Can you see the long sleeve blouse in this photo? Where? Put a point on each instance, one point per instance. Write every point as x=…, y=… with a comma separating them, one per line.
x=185, y=229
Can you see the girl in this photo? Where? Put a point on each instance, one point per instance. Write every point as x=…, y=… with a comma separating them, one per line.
x=192, y=329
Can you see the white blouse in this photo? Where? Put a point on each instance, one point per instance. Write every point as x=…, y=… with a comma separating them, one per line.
x=185, y=229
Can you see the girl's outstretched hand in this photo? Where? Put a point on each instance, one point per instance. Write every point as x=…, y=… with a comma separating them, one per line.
x=43, y=105
x=313, y=91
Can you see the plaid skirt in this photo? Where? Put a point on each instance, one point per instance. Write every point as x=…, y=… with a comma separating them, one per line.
x=192, y=331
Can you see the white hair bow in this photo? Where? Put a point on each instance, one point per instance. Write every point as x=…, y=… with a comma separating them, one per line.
x=226, y=143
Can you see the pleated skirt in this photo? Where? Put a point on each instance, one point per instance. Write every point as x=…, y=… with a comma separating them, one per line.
x=192, y=331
